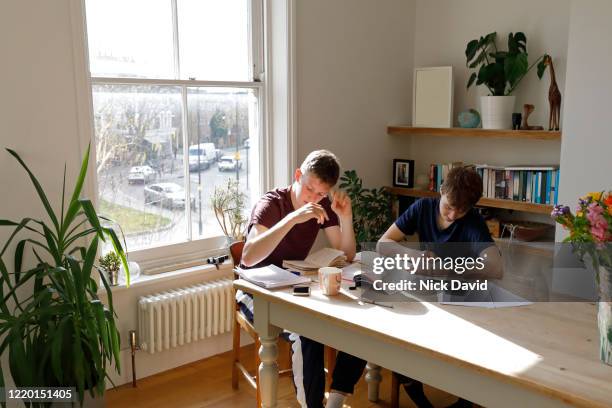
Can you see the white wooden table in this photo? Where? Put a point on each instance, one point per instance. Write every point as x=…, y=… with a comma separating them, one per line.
x=542, y=355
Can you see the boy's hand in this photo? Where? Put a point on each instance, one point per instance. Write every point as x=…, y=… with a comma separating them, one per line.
x=341, y=205
x=309, y=211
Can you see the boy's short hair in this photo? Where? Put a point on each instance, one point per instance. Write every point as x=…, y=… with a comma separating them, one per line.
x=463, y=187
x=322, y=164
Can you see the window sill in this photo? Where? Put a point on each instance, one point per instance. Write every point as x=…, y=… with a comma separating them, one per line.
x=147, y=280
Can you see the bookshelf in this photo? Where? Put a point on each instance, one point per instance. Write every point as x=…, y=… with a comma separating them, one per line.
x=401, y=130
x=483, y=202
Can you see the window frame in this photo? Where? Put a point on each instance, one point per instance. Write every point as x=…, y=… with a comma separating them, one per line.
x=171, y=256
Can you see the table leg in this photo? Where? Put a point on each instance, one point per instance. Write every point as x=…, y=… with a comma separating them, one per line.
x=268, y=370
x=268, y=353
x=373, y=379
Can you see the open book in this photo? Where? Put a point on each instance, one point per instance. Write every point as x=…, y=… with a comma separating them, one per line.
x=319, y=259
x=271, y=277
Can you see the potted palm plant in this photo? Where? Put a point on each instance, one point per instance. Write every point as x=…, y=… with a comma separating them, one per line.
x=500, y=72
x=61, y=335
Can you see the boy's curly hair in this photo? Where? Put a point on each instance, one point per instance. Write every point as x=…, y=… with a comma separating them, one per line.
x=463, y=188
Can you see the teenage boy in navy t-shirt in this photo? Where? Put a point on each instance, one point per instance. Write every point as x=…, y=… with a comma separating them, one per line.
x=450, y=218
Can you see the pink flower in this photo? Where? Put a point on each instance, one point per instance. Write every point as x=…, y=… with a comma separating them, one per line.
x=599, y=226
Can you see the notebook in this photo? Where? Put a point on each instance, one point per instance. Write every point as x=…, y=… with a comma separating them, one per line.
x=318, y=259
x=271, y=277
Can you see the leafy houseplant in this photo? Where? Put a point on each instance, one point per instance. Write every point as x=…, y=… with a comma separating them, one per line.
x=228, y=204
x=499, y=71
x=56, y=329
x=111, y=263
x=590, y=231
x=371, y=208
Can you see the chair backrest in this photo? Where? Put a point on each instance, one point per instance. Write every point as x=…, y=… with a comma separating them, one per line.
x=236, y=252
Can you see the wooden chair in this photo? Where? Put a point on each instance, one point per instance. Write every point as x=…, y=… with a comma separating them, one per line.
x=241, y=322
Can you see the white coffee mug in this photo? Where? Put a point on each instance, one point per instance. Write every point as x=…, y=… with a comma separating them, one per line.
x=330, y=279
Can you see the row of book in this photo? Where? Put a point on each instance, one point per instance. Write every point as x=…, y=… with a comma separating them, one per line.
x=533, y=184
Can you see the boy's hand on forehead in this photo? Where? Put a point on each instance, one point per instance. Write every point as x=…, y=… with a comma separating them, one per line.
x=341, y=203
x=308, y=212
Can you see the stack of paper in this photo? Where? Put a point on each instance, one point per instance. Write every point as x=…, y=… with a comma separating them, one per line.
x=319, y=259
x=271, y=277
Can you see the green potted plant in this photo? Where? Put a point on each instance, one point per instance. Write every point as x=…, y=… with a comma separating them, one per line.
x=500, y=72
x=61, y=335
x=372, y=213
x=228, y=204
x=590, y=232
x=111, y=263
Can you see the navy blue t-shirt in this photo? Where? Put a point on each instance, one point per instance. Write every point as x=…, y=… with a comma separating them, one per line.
x=421, y=217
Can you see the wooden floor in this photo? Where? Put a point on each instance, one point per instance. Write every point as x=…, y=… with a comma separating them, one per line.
x=207, y=383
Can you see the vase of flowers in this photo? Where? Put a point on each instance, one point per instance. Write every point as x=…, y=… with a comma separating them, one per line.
x=590, y=231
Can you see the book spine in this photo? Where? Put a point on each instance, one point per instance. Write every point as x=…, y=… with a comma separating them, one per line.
x=548, y=182
x=439, y=178
x=529, y=194
x=538, y=186
x=515, y=195
x=557, y=186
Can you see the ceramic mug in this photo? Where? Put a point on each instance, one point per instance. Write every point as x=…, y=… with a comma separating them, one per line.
x=329, y=280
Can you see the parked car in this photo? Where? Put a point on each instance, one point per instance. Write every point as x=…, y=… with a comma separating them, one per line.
x=141, y=174
x=229, y=163
x=169, y=195
x=201, y=156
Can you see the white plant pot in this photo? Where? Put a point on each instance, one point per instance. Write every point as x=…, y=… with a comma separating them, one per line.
x=496, y=111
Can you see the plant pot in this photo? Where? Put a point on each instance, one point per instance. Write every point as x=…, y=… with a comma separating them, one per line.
x=496, y=111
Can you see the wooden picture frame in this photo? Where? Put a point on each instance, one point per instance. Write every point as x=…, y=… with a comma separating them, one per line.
x=403, y=173
x=432, y=97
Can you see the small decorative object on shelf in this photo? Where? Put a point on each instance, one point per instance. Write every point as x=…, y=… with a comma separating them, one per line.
x=528, y=110
x=403, y=173
x=554, y=97
x=516, y=121
x=500, y=72
x=110, y=263
x=590, y=231
x=469, y=119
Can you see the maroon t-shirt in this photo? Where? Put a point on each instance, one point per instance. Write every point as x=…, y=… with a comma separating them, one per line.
x=272, y=208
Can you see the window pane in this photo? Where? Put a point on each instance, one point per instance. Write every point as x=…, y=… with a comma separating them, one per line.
x=223, y=122
x=130, y=38
x=214, y=39
x=140, y=165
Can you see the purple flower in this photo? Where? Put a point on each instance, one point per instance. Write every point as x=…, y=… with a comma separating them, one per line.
x=584, y=202
x=559, y=211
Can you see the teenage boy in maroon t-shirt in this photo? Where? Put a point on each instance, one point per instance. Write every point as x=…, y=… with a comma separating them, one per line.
x=284, y=225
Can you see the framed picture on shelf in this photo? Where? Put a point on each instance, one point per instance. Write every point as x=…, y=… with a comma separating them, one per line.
x=403, y=173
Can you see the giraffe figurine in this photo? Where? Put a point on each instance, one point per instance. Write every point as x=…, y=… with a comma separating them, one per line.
x=554, y=97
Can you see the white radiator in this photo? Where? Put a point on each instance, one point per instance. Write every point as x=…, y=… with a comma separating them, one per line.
x=180, y=316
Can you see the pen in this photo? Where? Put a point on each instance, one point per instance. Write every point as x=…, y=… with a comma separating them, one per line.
x=375, y=303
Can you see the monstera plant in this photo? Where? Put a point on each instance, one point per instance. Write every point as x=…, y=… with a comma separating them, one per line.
x=57, y=331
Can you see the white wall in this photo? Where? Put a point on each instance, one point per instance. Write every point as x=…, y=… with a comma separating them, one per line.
x=586, y=161
x=442, y=30
x=354, y=77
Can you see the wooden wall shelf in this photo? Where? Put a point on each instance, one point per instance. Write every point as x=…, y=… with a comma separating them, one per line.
x=483, y=202
x=464, y=132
